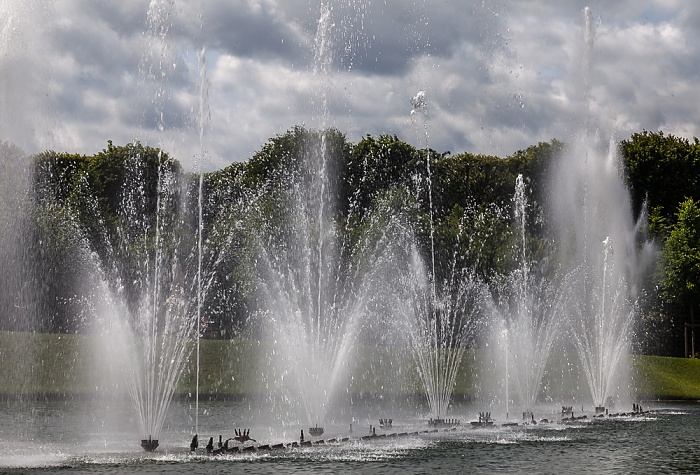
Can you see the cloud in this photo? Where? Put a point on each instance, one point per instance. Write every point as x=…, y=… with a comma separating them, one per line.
x=252, y=29
x=499, y=76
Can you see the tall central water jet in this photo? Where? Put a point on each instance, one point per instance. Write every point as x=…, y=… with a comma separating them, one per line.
x=314, y=293
x=311, y=306
x=592, y=216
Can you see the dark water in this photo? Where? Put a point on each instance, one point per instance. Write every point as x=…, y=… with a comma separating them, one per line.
x=71, y=437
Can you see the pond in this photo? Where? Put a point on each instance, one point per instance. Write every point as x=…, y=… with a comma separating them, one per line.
x=86, y=437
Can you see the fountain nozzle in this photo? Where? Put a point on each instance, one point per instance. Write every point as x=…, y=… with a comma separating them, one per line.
x=149, y=445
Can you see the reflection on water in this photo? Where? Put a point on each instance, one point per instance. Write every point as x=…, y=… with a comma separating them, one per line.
x=87, y=437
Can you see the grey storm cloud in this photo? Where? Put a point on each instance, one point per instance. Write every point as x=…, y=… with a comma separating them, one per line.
x=252, y=29
x=499, y=75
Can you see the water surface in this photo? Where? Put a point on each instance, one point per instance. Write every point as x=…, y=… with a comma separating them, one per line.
x=80, y=437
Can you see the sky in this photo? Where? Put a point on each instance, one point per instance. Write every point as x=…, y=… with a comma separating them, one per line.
x=211, y=81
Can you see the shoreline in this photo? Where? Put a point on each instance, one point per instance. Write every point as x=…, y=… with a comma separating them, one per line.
x=40, y=366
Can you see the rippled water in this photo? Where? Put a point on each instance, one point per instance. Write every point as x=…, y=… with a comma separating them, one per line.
x=67, y=437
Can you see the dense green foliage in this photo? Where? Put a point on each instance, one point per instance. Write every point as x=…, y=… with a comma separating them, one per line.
x=131, y=205
x=681, y=256
x=663, y=172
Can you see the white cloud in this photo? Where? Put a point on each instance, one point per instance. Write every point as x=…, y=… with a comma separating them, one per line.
x=499, y=76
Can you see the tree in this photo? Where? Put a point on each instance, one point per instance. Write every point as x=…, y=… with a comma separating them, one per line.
x=680, y=279
x=284, y=156
x=662, y=170
x=535, y=163
x=378, y=165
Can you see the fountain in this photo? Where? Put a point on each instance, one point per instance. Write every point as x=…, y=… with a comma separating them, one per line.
x=314, y=285
x=152, y=264
x=530, y=309
x=310, y=310
x=138, y=258
x=145, y=309
x=318, y=284
x=23, y=130
x=593, y=221
x=441, y=301
x=440, y=325
x=153, y=280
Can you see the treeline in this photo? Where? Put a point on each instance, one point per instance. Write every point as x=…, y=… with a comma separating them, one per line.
x=663, y=173
x=107, y=221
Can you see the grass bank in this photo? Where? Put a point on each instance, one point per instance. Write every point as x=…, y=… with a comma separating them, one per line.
x=669, y=378
x=67, y=366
